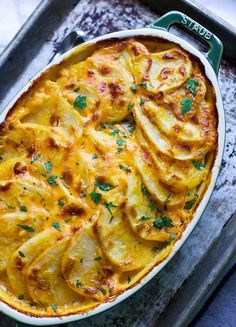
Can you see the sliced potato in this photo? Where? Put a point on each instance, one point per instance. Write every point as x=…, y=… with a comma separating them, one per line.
x=10, y=236
x=167, y=123
x=179, y=174
x=18, y=265
x=140, y=214
x=85, y=267
x=44, y=279
x=169, y=70
x=120, y=244
x=171, y=148
x=159, y=191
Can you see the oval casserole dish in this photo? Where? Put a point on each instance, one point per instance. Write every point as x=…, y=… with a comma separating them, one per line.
x=108, y=160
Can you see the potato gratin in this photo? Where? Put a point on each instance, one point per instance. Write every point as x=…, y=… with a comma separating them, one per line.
x=103, y=163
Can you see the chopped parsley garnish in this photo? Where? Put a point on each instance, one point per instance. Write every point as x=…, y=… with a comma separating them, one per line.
x=98, y=258
x=61, y=203
x=125, y=168
x=48, y=166
x=78, y=283
x=131, y=124
x=154, y=248
x=102, y=290
x=191, y=203
x=166, y=201
x=36, y=158
x=130, y=106
x=21, y=297
x=77, y=90
x=83, y=194
x=143, y=85
x=1, y=157
x=95, y=197
x=54, y=307
x=23, y=208
x=133, y=88
x=142, y=101
x=129, y=279
x=102, y=186
x=191, y=85
x=80, y=102
x=109, y=205
x=119, y=150
x=120, y=142
x=52, y=180
x=21, y=254
x=56, y=225
x=164, y=221
x=95, y=156
x=144, y=218
x=172, y=236
x=111, y=290
x=186, y=105
x=198, y=164
x=27, y=228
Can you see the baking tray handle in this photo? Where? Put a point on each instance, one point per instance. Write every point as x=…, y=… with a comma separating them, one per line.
x=214, y=54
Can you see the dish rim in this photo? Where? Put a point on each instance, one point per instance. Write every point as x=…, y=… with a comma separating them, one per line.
x=27, y=318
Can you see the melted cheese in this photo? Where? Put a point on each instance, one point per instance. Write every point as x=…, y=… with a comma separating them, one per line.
x=103, y=163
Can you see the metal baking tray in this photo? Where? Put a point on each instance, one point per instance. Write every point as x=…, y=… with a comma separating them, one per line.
x=178, y=292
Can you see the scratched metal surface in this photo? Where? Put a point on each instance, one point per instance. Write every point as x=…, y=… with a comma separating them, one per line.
x=213, y=233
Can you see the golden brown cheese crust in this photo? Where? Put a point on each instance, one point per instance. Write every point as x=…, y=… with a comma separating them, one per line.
x=103, y=163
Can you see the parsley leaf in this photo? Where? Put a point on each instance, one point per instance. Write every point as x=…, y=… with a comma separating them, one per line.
x=78, y=283
x=102, y=290
x=98, y=258
x=54, y=307
x=52, y=180
x=130, y=106
x=133, y=88
x=120, y=142
x=154, y=248
x=119, y=150
x=143, y=85
x=109, y=205
x=129, y=279
x=144, y=218
x=61, y=203
x=48, y=166
x=125, y=168
x=186, y=105
x=198, y=165
x=131, y=125
x=21, y=297
x=80, y=102
x=27, y=228
x=23, y=208
x=164, y=221
x=191, y=85
x=21, y=254
x=142, y=101
x=95, y=156
x=190, y=204
x=95, y=197
x=102, y=186
x=36, y=158
x=56, y=225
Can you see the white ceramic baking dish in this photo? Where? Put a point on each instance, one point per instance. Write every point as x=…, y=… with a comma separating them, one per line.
x=210, y=61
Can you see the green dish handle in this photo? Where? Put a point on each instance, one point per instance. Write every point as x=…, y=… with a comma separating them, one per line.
x=176, y=17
